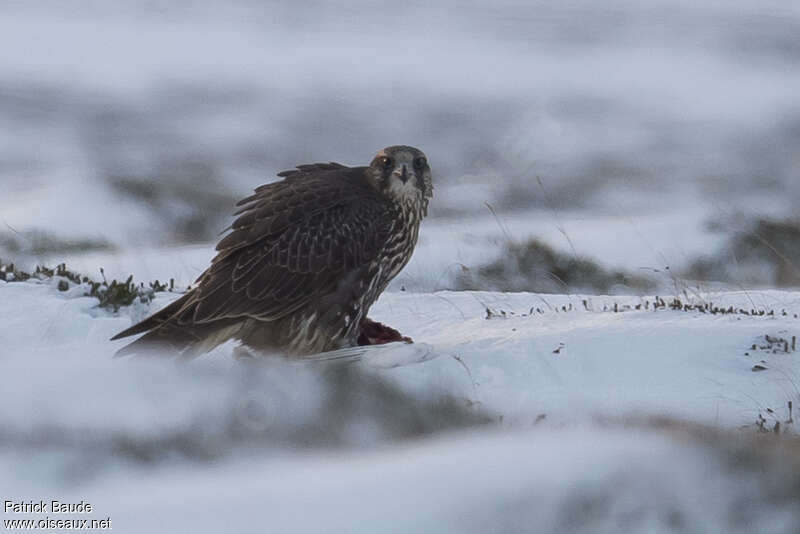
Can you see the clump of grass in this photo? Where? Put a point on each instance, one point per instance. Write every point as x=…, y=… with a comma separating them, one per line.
x=768, y=252
x=112, y=295
x=774, y=423
x=537, y=267
x=10, y=273
x=658, y=304
x=115, y=294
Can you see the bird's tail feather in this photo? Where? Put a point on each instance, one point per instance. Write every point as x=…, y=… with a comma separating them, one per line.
x=184, y=341
x=164, y=334
x=166, y=339
x=156, y=320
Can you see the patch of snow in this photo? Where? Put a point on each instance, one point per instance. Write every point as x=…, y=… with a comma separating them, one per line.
x=160, y=445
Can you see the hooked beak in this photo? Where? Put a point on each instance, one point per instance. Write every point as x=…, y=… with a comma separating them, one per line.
x=403, y=175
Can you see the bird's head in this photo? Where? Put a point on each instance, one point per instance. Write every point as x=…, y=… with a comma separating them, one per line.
x=402, y=173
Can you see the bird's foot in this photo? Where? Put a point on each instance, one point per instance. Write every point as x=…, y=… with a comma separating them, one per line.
x=375, y=333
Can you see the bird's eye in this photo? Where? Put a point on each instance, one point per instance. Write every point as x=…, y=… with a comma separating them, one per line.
x=419, y=162
x=386, y=162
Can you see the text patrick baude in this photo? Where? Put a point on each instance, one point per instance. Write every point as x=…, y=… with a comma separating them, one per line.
x=46, y=507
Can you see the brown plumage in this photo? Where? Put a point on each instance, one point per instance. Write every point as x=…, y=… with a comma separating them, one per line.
x=303, y=262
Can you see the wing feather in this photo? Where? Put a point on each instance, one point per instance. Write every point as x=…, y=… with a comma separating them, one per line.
x=292, y=242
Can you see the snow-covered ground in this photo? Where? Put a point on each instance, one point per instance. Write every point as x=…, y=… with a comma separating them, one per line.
x=535, y=410
x=642, y=134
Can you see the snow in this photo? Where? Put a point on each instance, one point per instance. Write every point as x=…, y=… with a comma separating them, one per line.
x=525, y=482
x=154, y=443
x=618, y=132
x=567, y=359
x=682, y=364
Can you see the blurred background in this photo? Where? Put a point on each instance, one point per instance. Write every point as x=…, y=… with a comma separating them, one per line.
x=617, y=147
x=596, y=145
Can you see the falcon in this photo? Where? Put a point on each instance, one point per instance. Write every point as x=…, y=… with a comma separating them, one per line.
x=303, y=262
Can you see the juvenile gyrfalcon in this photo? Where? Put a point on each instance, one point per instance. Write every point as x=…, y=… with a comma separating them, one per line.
x=303, y=262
